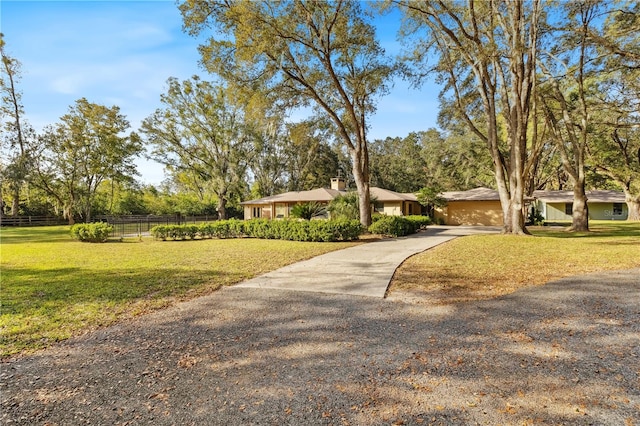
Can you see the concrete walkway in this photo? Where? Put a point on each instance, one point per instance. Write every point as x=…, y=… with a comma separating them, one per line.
x=363, y=270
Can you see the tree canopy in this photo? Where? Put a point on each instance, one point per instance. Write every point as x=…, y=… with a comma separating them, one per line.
x=298, y=53
x=202, y=132
x=76, y=155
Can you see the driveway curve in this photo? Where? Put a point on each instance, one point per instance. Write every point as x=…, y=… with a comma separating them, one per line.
x=363, y=270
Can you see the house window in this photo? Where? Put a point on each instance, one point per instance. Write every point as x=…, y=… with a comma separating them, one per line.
x=617, y=209
x=409, y=209
x=257, y=212
x=281, y=211
x=378, y=207
x=568, y=209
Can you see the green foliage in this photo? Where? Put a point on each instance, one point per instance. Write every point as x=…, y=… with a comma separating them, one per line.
x=293, y=230
x=315, y=53
x=397, y=164
x=203, y=136
x=421, y=222
x=344, y=207
x=86, y=148
x=308, y=211
x=91, y=232
x=535, y=217
x=398, y=226
x=231, y=228
x=430, y=196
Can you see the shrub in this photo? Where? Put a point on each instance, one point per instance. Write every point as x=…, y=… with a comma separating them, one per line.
x=159, y=232
x=308, y=211
x=345, y=207
x=394, y=226
x=91, y=232
x=345, y=230
x=535, y=217
x=294, y=230
x=175, y=232
x=421, y=222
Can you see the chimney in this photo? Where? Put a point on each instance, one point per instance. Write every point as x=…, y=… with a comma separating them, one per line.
x=338, y=183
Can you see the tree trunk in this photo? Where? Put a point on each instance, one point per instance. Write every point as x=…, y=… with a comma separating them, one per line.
x=222, y=208
x=580, y=218
x=633, y=205
x=15, y=203
x=361, y=176
x=67, y=212
x=87, y=213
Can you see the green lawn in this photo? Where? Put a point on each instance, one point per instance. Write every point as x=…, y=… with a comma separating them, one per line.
x=53, y=287
x=485, y=266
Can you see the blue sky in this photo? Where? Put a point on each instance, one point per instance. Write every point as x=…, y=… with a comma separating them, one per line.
x=122, y=53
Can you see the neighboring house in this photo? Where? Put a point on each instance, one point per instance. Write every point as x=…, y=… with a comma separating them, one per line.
x=603, y=205
x=279, y=206
x=479, y=206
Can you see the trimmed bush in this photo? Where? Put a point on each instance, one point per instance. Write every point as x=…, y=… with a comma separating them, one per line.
x=91, y=232
x=159, y=232
x=294, y=230
x=421, y=222
x=395, y=226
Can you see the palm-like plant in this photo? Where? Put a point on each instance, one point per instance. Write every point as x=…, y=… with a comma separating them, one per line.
x=344, y=207
x=308, y=211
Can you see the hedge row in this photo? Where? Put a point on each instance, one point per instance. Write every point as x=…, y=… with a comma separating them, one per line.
x=293, y=230
x=91, y=232
x=398, y=226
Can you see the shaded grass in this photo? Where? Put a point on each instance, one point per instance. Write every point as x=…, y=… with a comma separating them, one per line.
x=54, y=287
x=486, y=266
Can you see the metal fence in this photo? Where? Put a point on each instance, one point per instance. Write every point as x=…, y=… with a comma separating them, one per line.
x=140, y=225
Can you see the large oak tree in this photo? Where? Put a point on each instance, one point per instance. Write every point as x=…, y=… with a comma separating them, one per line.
x=87, y=147
x=568, y=68
x=486, y=55
x=300, y=53
x=202, y=132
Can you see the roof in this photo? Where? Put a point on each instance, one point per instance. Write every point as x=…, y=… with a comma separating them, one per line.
x=386, y=195
x=597, y=196
x=477, y=194
x=326, y=195
x=318, y=194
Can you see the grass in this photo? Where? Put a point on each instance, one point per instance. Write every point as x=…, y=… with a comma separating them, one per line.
x=53, y=287
x=486, y=266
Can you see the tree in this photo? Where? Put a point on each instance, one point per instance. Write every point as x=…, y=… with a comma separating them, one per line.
x=300, y=53
x=17, y=133
x=311, y=160
x=397, y=164
x=430, y=198
x=344, y=207
x=487, y=53
x=79, y=153
x=455, y=159
x=270, y=160
x=291, y=156
x=202, y=132
x=565, y=99
x=615, y=148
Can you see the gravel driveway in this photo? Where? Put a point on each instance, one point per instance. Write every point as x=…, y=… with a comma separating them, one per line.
x=565, y=353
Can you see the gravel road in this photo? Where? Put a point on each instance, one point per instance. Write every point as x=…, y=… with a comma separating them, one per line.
x=564, y=353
